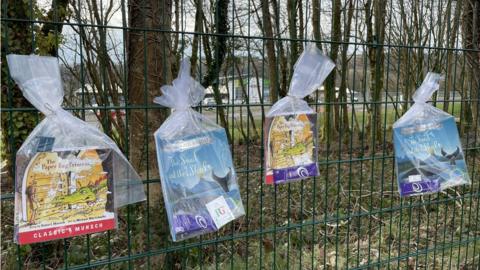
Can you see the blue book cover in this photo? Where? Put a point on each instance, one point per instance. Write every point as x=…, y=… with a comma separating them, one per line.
x=199, y=183
x=429, y=157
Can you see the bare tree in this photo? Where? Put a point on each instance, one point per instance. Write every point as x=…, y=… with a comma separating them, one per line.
x=284, y=73
x=245, y=93
x=316, y=22
x=217, y=59
x=271, y=59
x=375, y=21
x=330, y=129
x=342, y=91
x=451, y=44
x=471, y=42
x=301, y=25
x=149, y=67
x=421, y=26
x=198, y=29
x=100, y=65
x=292, y=29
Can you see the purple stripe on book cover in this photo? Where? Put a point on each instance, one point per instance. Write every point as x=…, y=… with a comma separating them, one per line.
x=292, y=173
x=188, y=224
x=420, y=187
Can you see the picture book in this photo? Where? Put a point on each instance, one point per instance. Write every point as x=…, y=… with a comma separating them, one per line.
x=290, y=152
x=64, y=193
x=429, y=157
x=199, y=183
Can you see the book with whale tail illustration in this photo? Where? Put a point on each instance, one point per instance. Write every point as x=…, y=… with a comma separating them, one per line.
x=428, y=150
x=199, y=183
x=429, y=158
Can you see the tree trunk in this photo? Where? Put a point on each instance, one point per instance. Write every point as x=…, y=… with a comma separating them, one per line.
x=471, y=42
x=177, y=56
x=316, y=22
x=57, y=13
x=245, y=92
x=330, y=129
x=284, y=74
x=301, y=25
x=375, y=39
x=149, y=62
x=271, y=59
x=451, y=44
x=342, y=92
x=292, y=29
x=220, y=50
x=198, y=29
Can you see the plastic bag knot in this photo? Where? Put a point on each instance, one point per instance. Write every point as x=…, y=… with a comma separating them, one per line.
x=184, y=92
x=52, y=110
x=311, y=69
x=39, y=80
x=430, y=84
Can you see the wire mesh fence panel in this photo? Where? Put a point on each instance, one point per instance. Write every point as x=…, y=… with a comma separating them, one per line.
x=115, y=55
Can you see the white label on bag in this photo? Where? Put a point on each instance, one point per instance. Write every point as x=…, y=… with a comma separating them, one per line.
x=414, y=178
x=220, y=212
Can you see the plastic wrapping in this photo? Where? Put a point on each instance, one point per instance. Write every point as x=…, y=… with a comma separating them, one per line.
x=197, y=173
x=70, y=177
x=291, y=125
x=428, y=151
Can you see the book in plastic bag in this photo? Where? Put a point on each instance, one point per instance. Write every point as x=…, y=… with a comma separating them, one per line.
x=70, y=177
x=290, y=139
x=196, y=169
x=428, y=151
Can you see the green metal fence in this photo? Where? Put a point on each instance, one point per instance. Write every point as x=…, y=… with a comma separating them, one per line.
x=350, y=217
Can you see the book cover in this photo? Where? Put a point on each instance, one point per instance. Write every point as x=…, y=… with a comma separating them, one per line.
x=429, y=157
x=199, y=183
x=63, y=194
x=290, y=147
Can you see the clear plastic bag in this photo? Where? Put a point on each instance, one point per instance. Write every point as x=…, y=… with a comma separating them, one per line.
x=291, y=125
x=70, y=176
x=428, y=151
x=197, y=173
